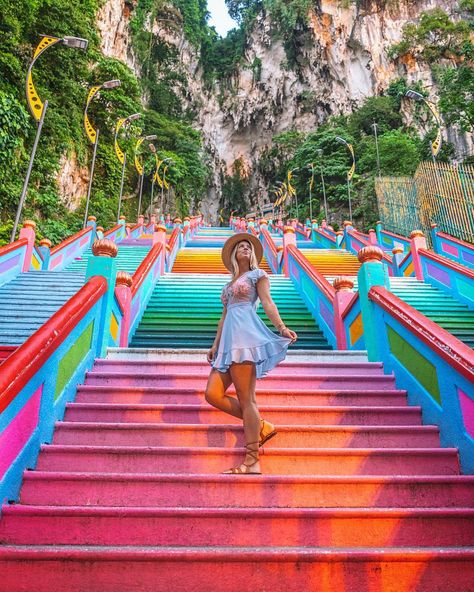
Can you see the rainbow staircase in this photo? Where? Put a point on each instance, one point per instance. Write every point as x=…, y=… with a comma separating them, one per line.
x=185, y=306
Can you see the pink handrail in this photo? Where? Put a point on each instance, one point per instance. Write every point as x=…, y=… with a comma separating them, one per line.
x=314, y=274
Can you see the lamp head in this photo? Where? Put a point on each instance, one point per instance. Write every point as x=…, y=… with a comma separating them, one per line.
x=319, y=152
x=75, y=42
x=152, y=148
x=133, y=117
x=413, y=94
x=111, y=84
x=340, y=140
x=151, y=137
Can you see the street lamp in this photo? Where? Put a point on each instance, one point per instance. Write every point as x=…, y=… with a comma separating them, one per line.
x=437, y=142
x=161, y=181
x=291, y=189
x=375, y=126
x=350, y=172
x=93, y=134
x=139, y=165
x=122, y=156
x=38, y=108
x=320, y=155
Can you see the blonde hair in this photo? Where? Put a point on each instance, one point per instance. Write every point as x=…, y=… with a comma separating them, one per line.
x=233, y=259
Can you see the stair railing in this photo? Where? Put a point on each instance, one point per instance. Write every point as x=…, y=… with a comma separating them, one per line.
x=449, y=276
x=316, y=291
x=12, y=259
x=269, y=249
x=172, y=248
x=41, y=376
x=451, y=247
x=322, y=239
x=435, y=368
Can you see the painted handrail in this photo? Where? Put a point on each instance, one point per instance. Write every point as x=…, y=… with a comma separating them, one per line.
x=269, y=249
x=453, y=248
x=173, y=245
x=323, y=239
x=40, y=377
x=111, y=231
x=316, y=291
x=136, y=230
x=12, y=258
x=70, y=248
x=451, y=277
x=390, y=240
x=360, y=243
x=144, y=281
x=435, y=368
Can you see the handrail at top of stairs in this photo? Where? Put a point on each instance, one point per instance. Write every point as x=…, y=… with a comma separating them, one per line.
x=68, y=241
x=144, y=268
x=313, y=273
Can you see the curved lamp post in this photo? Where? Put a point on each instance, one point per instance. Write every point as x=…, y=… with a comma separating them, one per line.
x=139, y=166
x=38, y=108
x=291, y=189
x=350, y=172
x=122, y=156
x=157, y=178
x=437, y=142
x=320, y=154
x=93, y=134
x=375, y=128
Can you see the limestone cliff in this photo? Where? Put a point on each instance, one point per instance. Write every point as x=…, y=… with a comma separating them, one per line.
x=342, y=58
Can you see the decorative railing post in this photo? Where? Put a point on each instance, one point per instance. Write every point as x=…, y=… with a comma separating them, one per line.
x=289, y=238
x=398, y=256
x=123, y=291
x=344, y=294
x=28, y=232
x=347, y=228
x=92, y=221
x=417, y=241
x=339, y=238
x=123, y=232
x=159, y=236
x=372, y=237
x=104, y=264
x=435, y=239
x=45, y=250
x=100, y=232
x=314, y=227
x=371, y=273
x=378, y=231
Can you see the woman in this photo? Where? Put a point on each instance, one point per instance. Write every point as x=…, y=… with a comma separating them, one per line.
x=244, y=348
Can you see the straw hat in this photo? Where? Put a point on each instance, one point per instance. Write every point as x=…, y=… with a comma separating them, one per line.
x=236, y=238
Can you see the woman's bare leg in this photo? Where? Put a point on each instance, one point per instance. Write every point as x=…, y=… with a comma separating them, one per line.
x=244, y=376
x=217, y=384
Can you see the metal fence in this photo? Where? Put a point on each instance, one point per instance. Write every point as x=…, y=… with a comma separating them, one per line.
x=440, y=193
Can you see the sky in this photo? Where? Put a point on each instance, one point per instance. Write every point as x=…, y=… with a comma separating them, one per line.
x=220, y=18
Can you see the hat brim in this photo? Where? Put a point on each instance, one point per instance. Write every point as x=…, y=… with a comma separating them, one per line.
x=237, y=238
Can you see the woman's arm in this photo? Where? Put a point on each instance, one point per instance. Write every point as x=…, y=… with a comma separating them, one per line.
x=271, y=310
x=215, y=345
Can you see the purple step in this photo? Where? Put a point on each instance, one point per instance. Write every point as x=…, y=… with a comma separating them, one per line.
x=128, y=434
x=201, y=369
x=335, y=527
x=122, y=489
x=205, y=414
x=272, y=381
x=183, y=396
x=274, y=461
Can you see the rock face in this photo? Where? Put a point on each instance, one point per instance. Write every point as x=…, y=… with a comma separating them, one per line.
x=73, y=181
x=342, y=58
x=113, y=24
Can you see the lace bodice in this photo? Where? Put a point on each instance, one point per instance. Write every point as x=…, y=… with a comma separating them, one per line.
x=242, y=290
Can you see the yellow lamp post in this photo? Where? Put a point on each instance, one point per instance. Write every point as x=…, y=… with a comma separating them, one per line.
x=159, y=180
x=350, y=172
x=437, y=142
x=93, y=134
x=38, y=108
x=140, y=167
x=121, y=155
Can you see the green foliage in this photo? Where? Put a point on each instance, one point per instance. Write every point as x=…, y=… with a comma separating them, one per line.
x=63, y=76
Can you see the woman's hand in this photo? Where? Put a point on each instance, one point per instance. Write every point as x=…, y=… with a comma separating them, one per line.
x=211, y=353
x=289, y=333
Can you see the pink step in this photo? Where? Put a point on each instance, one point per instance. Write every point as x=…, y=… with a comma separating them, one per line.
x=181, y=396
x=334, y=527
x=195, y=368
x=274, y=461
x=122, y=489
x=178, y=569
x=205, y=414
x=283, y=381
x=128, y=434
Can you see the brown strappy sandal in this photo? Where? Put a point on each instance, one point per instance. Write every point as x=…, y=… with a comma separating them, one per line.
x=270, y=429
x=244, y=469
